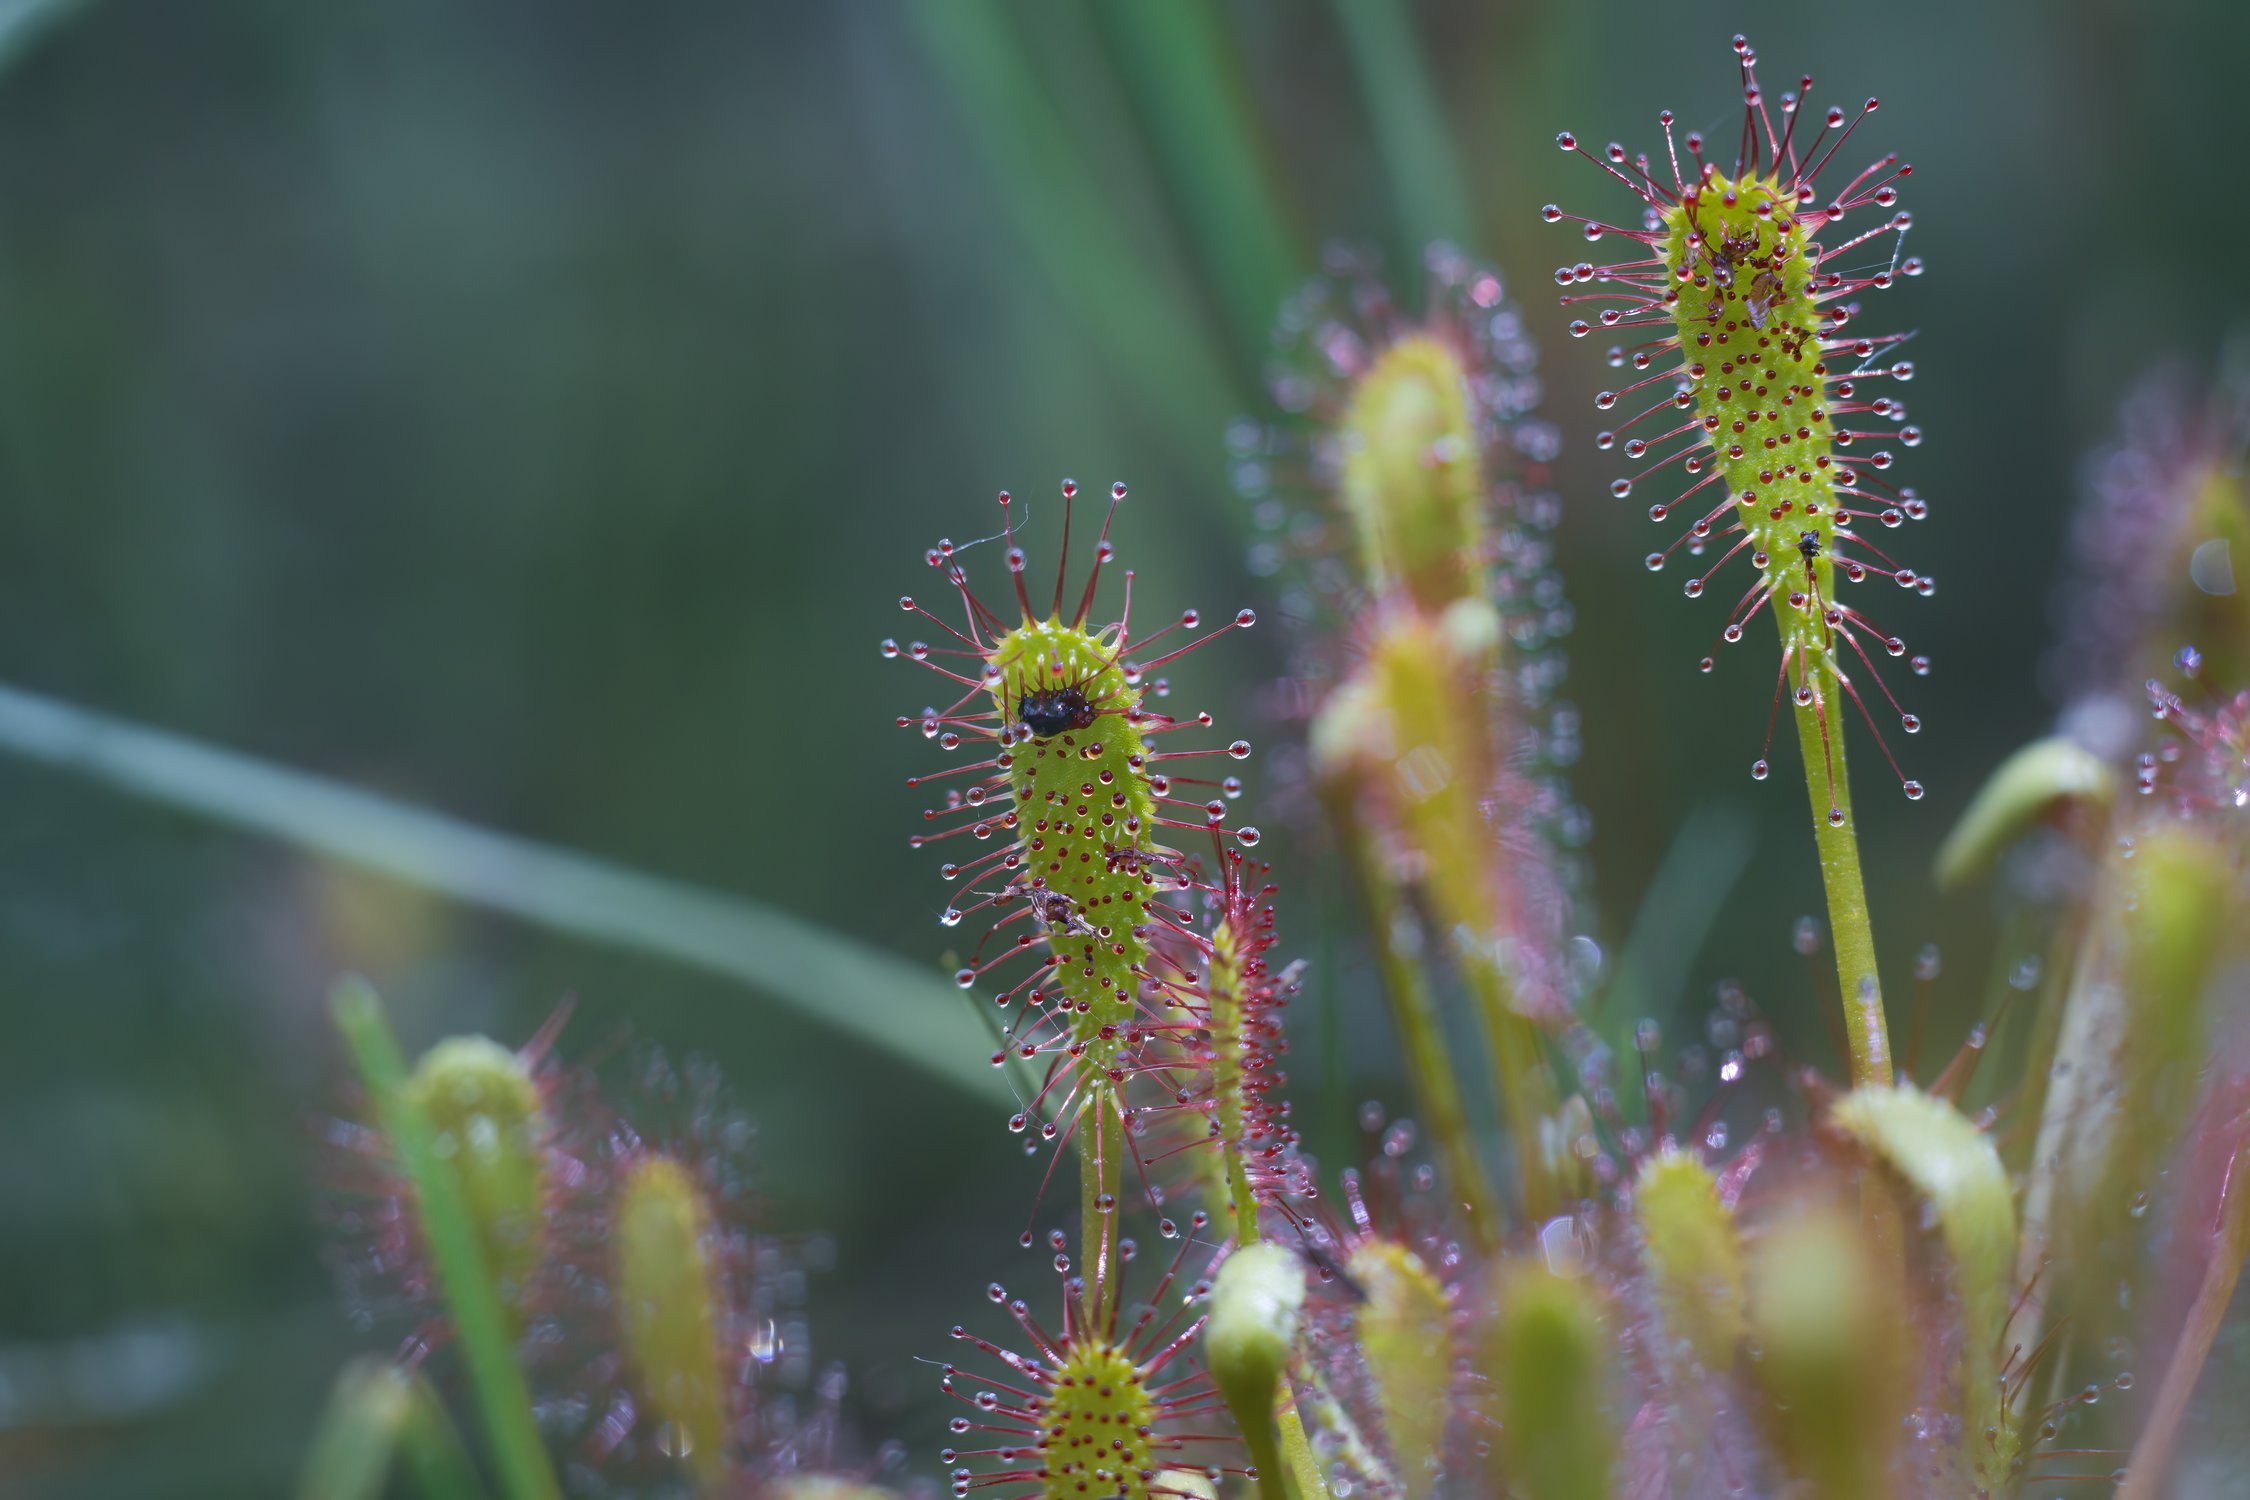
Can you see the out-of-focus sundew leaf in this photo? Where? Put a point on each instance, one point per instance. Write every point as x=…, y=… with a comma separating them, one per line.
x=906, y=1012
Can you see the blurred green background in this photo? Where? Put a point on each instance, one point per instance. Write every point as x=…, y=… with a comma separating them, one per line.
x=532, y=410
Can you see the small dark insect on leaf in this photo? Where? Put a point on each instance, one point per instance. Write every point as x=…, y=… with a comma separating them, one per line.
x=1054, y=711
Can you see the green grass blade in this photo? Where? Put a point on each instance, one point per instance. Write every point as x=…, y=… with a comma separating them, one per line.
x=908, y=1012
x=1676, y=914
x=1431, y=192
x=1187, y=85
x=480, y=1324
x=1057, y=205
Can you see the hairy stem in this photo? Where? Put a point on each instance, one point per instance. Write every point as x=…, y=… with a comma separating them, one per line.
x=1820, y=738
x=1226, y=1001
x=1414, y=1013
x=1303, y=1464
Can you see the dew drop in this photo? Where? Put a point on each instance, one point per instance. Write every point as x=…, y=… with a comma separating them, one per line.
x=1758, y=770
x=1247, y=837
x=1913, y=790
x=1910, y=723
x=1836, y=816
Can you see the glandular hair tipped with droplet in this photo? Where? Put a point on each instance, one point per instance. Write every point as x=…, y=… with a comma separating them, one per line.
x=1063, y=809
x=1764, y=411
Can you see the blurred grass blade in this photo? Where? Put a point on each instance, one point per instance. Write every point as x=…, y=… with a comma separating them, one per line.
x=1187, y=85
x=1058, y=207
x=480, y=1323
x=1432, y=195
x=908, y=1012
x=1683, y=900
x=378, y=1415
x=24, y=22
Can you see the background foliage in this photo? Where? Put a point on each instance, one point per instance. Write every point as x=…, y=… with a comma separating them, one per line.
x=531, y=410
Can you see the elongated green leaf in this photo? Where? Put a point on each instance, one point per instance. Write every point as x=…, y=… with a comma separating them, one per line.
x=907, y=1012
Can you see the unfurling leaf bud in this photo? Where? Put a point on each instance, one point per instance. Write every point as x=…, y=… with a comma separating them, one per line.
x=1694, y=1257
x=1405, y=1334
x=1257, y=1300
x=1547, y=1358
x=669, y=1310
x=2038, y=782
x=486, y=1117
x=1413, y=483
x=1946, y=1159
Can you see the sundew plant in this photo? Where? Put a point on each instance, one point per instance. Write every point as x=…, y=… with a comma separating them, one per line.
x=1775, y=1247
